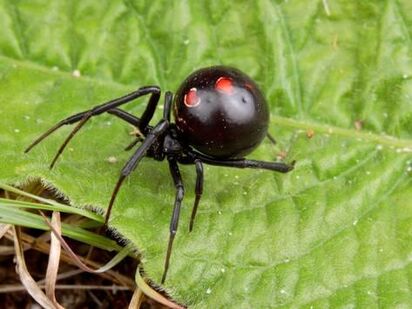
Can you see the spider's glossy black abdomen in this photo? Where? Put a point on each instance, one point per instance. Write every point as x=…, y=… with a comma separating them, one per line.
x=221, y=112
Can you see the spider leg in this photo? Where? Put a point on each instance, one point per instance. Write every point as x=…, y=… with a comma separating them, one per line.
x=177, y=179
x=69, y=120
x=69, y=137
x=143, y=122
x=271, y=138
x=134, y=143
x=168, y=105
x=83, y=117
x=133, y=120
x=149, y=112
x=140, y=152
x=134, y=160
x=198, y=191
x=245, y=163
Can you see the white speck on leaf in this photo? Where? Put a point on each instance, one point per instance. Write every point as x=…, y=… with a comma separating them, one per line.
x=76, y=73
x=112, y=159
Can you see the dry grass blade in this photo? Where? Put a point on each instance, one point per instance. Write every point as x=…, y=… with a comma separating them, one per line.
x=137, y=299
x=153, y=294
x=6, y=250
x=119, y=256
x=3, y=229
x=9, y=288
x=54, y=259
x=32, y=288
x=44, y=247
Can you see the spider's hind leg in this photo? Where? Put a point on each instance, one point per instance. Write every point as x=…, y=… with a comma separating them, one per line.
x=134, y=160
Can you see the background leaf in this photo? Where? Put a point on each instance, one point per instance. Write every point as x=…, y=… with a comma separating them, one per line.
x=337, y=231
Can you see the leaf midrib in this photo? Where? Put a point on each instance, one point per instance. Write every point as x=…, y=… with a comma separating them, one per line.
x=401, y=145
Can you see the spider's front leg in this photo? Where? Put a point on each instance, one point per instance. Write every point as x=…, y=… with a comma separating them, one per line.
x=139, y=122
x=83, y=117
x=134, y=160
x=151, y=137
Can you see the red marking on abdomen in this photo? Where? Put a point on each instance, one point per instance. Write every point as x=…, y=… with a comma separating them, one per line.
x=224, y=84
x=191, y=98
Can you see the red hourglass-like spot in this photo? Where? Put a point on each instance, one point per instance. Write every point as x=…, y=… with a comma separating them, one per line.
x=191, y=98
x=224, y=84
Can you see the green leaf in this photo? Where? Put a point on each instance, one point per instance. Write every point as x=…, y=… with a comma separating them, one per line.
x=335, y=232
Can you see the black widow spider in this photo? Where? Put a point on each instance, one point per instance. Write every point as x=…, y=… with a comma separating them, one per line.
x=220, y=116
